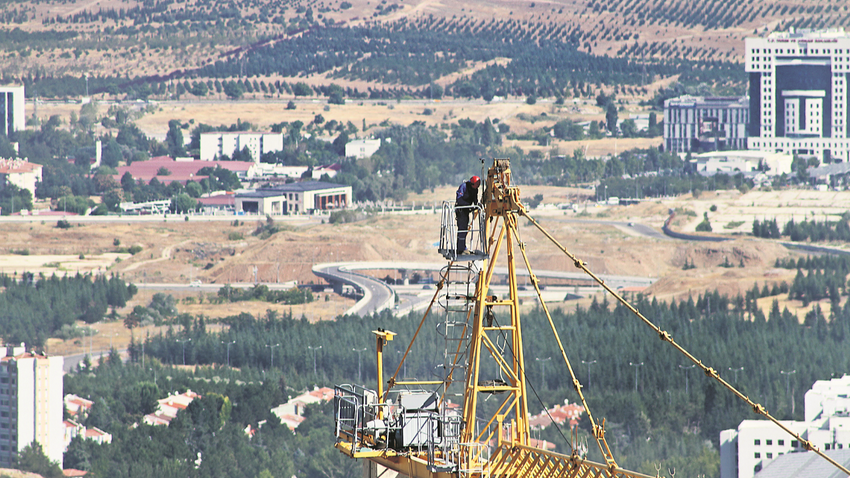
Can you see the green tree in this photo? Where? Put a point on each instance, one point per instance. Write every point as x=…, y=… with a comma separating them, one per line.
x=302, y=89
x=174, y=139
x=111, y=153
x=183, y=203
x=611, y=117
x=33, y=459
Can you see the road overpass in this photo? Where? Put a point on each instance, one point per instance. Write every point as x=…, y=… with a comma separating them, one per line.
x=378, y=296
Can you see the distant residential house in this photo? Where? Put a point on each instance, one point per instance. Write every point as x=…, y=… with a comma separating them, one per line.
x=291, y=413
x=566, y=413
x=73, y=430
x=168, y=408
x=21, y=173
x=77, y=407
x=217, y=143
x=362, y=148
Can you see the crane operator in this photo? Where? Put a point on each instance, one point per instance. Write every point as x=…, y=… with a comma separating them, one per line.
x=467, y=195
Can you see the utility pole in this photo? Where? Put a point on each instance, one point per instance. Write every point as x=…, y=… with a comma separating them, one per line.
x=686, y=375
x=314, y=358
x=588, y=370
x=736, y=370
x=787, y=376
x=636, y=365
x=359, y=375
x=271, y=350
x=228, y=351
x=543, y=368
x=183, y=342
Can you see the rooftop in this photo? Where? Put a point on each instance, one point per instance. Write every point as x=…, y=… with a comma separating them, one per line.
x=808, y=33
x=180, y=170
x=18, y=166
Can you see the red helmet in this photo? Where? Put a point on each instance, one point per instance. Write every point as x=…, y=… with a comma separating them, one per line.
x=475, y=180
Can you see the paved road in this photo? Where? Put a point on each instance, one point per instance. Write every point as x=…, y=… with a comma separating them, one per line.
x=635, y=227
x=377, y=295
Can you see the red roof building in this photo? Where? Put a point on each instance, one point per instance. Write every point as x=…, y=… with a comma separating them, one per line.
x=568, y=412
x=180, y=171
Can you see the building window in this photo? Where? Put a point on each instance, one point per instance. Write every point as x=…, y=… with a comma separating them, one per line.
x=757, y=455
x=827, y=447
x=757, y=441
x=769, y=442
x=769, y=456
x=781, y=442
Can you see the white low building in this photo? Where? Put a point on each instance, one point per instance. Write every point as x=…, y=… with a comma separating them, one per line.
x=294, y=198
x=756, y=443
x=21, y=173
x=362, y=148
x=732, y=162
x=218, y=143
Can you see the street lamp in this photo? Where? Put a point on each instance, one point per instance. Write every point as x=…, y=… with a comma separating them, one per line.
x=183, y=342
x=588, y=370
x=736, y=370
x=636, y=365
x=271, y=352
x=359, y=376
x=314, y=358
x=686, y=375
x=787, y=376
x=403, y=364
x=228, y=351
x=543, y=368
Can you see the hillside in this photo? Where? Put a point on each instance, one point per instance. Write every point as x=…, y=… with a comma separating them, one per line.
x=389, y=45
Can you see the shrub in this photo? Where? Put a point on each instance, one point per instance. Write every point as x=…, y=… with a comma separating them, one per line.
x=135, y=249
x=63, y=224
x=235, y=236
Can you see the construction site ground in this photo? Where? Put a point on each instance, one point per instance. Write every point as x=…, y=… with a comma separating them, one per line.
x=221, y=252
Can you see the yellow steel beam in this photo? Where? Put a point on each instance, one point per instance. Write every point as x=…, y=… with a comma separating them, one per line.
x=666, y=337
x=513, y=460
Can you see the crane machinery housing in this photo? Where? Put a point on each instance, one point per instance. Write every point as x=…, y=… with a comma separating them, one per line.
x=411, y=426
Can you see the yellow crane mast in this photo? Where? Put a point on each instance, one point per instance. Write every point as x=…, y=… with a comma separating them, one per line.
x=412, y=428
x=415, y=432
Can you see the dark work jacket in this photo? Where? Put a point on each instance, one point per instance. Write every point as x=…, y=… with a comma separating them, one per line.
x=467, y=194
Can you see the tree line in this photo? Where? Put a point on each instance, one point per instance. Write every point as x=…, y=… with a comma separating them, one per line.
x=723, y=331
x=33, y=308
x=805, y=230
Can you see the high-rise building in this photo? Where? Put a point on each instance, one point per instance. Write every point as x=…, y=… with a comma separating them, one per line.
x=798, y=93
x=12, y=114
x=756, y=443
x=698, y=124
x=217, y=143
x=30, y=403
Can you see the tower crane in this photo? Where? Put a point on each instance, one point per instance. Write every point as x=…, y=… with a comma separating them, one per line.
x=410, y=426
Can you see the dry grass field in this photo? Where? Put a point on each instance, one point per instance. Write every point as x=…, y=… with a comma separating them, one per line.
x=521, y=117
